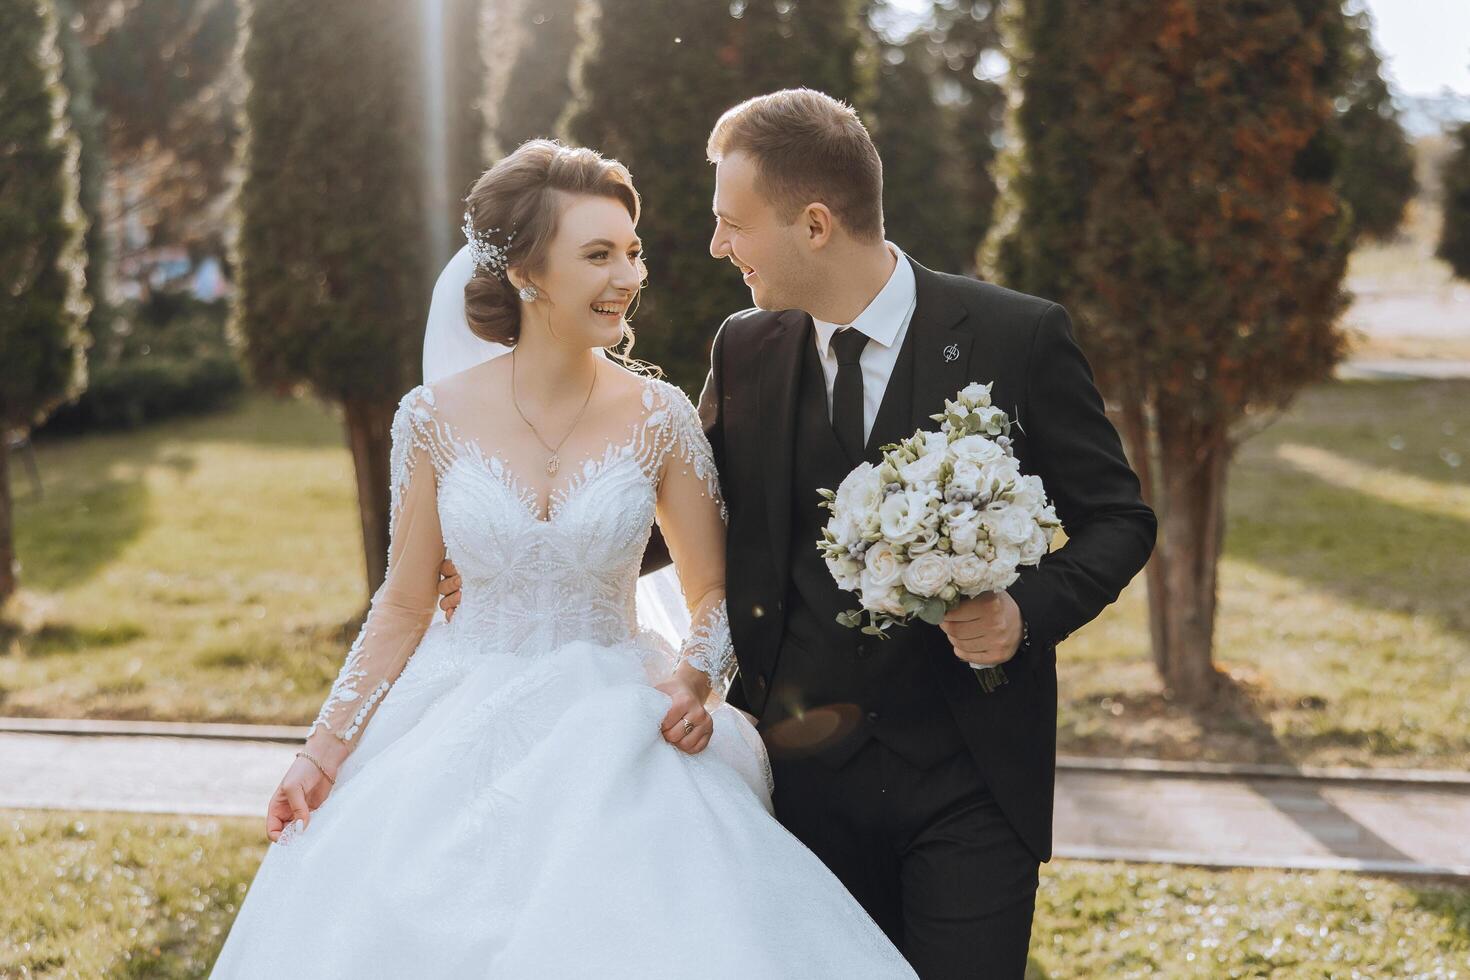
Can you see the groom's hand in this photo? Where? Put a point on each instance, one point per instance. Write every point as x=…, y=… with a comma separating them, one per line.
x=448, y=588
x=985, y=630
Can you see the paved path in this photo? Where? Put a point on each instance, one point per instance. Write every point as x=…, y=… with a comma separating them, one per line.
x=1402, y=369
x=1132, y=811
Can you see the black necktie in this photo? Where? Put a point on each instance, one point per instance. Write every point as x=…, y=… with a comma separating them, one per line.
x=847, y=391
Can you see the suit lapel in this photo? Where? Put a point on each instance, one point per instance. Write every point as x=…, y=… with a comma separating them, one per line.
x=780, y=376
x=942, y=345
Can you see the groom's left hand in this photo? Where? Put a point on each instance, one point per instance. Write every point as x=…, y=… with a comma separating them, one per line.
x=985, y=630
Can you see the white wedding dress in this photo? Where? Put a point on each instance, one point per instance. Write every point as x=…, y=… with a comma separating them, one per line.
x=510, y=807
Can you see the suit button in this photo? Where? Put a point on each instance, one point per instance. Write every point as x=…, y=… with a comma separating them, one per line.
x=864, y=651
x=873, y=716
x=760, y=681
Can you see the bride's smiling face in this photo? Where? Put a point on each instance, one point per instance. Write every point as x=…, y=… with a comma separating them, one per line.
x=591, y=274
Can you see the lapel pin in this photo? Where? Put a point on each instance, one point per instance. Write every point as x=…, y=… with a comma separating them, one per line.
x=951, y=353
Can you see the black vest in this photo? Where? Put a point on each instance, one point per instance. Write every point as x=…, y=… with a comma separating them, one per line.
x=836, y=687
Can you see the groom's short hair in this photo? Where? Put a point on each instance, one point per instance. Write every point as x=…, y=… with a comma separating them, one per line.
x=807, y=147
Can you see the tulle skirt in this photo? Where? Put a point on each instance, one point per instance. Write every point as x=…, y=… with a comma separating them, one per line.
x=515, y=816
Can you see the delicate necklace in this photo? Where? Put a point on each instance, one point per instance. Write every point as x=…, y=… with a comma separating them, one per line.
x=553, y=463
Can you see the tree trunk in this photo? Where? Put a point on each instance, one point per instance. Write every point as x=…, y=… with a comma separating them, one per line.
x=1142, y=450
x=369, y=436
x=1192, y=466
x=8, y=580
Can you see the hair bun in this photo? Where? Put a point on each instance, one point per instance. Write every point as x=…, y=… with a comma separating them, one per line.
x=492, y=309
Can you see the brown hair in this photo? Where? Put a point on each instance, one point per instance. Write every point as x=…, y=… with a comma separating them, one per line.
x=519, y=195
x=807, y=147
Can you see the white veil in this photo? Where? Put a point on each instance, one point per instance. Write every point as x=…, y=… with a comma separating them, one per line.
x=450, y=347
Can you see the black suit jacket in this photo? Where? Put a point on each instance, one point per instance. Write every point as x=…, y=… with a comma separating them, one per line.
x=964, y=330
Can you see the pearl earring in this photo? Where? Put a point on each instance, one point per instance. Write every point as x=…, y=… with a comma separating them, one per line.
x=530, y=293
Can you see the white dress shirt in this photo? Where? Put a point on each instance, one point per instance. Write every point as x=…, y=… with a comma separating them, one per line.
x=886, y=322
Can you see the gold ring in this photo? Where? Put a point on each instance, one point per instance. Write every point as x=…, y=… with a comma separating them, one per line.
x=687, y=727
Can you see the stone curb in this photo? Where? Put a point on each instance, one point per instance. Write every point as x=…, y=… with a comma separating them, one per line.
x=165, y=729
x=1422, y=778
x=1301, y=863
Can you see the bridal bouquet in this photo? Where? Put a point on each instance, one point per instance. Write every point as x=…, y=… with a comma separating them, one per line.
x=946, y=516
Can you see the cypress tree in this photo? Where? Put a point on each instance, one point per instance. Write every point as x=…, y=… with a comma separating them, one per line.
x=339, y=224
x=1375, y=158
x=42, y=258
x=650, y=82
x=1454, y=239
x=936, y=123
x=86, y=120
x=1176, y=189
x=538, y=83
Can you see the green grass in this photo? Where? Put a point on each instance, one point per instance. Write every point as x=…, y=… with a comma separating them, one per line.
x=1116, y=920
x=211, y=569
x=205, y=569
x=120, y=895
x=1342, y=618
x=125, y=895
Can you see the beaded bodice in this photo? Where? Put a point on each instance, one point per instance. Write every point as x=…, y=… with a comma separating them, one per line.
x=531, y=581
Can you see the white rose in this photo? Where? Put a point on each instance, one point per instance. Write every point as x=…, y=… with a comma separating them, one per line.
x=890, y=604
x=1002, y=577
x=881, y=568
x=934, y=443
x=964, y=536
x=969, y=573
x=976, y=393
x=1007, y=557
x=966, y=475
x=844, y=529
x=846, y=572
x=925, y=469
x=976, y=449
x=859, y=492
x=927, y=574
x=1028, y=493
x=1010, y=526
x=1033, y=547
x=1001, y=470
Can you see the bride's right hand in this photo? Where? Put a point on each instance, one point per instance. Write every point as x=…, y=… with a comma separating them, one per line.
x=302, y=790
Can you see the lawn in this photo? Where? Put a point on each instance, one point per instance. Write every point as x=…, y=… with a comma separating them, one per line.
x=1343, y=619
x=124, y=895
x=211, y=570
x=205, y=569
x=120, y=895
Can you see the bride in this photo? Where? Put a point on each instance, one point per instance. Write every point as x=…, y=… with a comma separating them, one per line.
x=538, y=788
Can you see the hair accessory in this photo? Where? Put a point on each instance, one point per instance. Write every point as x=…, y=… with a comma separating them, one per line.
x=486, y=250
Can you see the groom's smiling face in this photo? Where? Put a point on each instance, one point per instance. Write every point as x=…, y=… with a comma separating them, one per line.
x=752, y=235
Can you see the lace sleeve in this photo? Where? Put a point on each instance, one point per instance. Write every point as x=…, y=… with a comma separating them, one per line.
x=691, y=514
x=403, y=606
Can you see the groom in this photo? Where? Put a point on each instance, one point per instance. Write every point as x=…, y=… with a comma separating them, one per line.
x=930, y=799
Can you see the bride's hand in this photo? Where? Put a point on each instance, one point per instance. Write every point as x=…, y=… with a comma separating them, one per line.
x=687, y=726
x=303, y=789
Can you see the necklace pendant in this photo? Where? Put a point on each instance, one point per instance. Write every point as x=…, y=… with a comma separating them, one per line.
x=553, y=464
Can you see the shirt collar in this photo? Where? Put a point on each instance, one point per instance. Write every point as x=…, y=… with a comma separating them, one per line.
x=884, y=317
